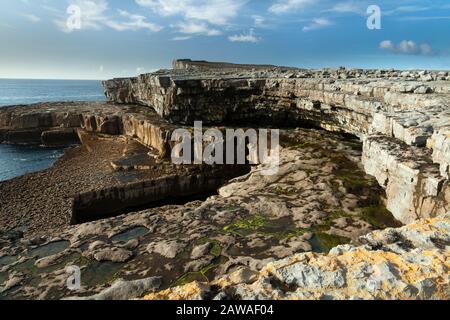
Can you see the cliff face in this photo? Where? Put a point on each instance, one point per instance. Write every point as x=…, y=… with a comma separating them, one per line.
x=202, y=65
x=402, y=117
x=36, y=124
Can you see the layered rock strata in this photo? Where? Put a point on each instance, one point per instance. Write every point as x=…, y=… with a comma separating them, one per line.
x=413, y=182
x=189, y=64
x=45, y=123
x=412, y=107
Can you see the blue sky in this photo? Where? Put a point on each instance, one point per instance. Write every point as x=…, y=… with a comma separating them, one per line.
x=126, y=37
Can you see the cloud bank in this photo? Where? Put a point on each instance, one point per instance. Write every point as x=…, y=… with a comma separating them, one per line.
x=407, y=47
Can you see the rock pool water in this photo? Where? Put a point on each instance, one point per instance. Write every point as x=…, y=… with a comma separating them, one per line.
x=130, y=234
x=49, y=249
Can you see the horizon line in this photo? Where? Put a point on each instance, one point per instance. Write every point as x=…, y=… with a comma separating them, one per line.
x=59, y=79
x=295, y=67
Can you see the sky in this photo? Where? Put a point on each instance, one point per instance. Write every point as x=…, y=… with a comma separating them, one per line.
x=102, y=39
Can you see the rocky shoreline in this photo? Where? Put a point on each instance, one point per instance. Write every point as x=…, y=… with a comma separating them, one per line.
x=347, y=194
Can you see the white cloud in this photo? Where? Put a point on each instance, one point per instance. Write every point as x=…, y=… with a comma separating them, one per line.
x=216, y=12
x=92, y=13
x=196, y=28
x=31, y=17
x=136, y=22
x=425, y=18
x=406, y=9
x=285, y=6
x=426, y=49
x=199, y=17
x=349, y=7
x=181, y=38
x=407, y=47
x=94, y=17
x=318, y=23
x=387, y=44
x=249, y=37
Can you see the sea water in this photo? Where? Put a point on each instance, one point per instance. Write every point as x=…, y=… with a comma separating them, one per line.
x=19, y=160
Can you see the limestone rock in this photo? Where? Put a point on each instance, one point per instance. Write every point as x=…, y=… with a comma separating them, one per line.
x=409, y=177
x=113, y=255
x=11, y=283
x=243, y=276
x=168, y=249
x=318, y=199
x=412, y=107
x=412, y=264
x=201, y=251
x=125, y=290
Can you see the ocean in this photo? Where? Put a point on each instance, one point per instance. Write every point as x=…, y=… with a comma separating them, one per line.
x=19, y=160
x=14, y=91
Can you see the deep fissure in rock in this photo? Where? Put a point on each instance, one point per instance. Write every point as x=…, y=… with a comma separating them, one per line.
x=173, y=190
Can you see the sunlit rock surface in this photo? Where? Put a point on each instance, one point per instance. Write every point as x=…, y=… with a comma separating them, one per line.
x=412, y=107
x=408, y=263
